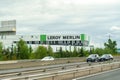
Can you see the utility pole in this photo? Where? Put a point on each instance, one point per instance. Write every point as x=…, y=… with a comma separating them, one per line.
x=109, y=36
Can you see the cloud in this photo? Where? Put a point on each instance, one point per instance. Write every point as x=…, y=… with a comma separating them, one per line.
x=97, y=45
x=115, y=28
x=92, y=17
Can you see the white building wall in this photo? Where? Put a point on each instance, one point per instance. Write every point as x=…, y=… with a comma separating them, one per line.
x=8, y=40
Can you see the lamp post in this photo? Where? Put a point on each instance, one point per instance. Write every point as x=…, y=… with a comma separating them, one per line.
x=11, y=51
x=91, y=48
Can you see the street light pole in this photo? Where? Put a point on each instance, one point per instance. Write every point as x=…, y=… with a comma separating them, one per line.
x=11, y=51
x=91, y=48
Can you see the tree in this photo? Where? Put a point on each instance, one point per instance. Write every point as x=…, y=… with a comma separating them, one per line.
x=99, y=51
x=1, y=46
x=111, y=46
x=23, y=52
x=82, y=52
x=67, y=53
x=61, y=52
x=6, y=54
x=50, y=51
x=14, y=56
x=75, y=52
x=30, y=49
x=40, y=52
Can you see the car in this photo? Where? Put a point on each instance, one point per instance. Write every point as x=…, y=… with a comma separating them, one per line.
x=106, y=57
x=93, y=58
x=47, y=58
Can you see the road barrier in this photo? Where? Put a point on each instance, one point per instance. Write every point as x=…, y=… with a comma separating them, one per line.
x=41, y=69
x=69, y=74
x=36, y=62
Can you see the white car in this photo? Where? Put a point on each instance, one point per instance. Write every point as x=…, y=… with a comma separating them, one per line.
x=47, y=58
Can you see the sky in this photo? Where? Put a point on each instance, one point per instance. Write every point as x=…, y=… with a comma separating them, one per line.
x=96, y=18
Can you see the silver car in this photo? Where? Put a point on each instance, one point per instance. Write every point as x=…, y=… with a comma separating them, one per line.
x=93, y=58
x=106, y=57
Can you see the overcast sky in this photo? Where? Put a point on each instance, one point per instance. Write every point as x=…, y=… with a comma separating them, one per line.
x=96, y=18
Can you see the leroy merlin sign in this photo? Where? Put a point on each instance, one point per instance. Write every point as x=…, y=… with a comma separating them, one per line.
x=81, y=39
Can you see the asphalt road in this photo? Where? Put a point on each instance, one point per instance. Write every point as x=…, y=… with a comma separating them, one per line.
x=112, y=75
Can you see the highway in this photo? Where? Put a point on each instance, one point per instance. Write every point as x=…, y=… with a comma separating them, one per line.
x=58, y=71
x=43, y=69
x=109, y=75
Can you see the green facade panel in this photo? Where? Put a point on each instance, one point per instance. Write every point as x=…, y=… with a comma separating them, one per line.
x=82, y=37
x=42, y=37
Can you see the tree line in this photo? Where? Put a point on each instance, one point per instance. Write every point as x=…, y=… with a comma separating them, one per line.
x=23, y=51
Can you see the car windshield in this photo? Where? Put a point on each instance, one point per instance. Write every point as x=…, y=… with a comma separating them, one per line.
x=48, y=57
x=105, y=55
x=92, y=55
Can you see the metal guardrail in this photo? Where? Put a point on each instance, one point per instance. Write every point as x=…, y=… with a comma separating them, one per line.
x=69, y=74
x=14, y=64
x=7, y=62
x=35, y=60
x=42, y=68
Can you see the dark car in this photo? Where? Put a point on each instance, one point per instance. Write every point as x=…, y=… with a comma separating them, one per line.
x=106, y=57
x=93, y=58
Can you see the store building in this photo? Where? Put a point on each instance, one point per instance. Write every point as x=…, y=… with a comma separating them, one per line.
x=8, y=37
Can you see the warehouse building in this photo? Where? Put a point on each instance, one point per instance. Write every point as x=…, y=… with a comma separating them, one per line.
x=8, y=37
